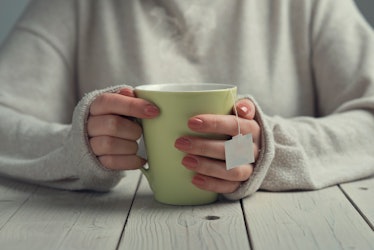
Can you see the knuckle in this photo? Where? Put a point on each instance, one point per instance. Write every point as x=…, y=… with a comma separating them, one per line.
x=233, y=187
x=134, y=130
x=133, y=147
x=236, y=174
x=113, y=124
x=99, y=102
x=211, y=168
x=250, y=126
x=215, y=123
x=138, y=132
x=256, y=126
x=94, y=145
x=101, y=99
x=106, y=143
x=256, y=151
x=101, y=144
x=202, y=149
x=212, y=124
x=90, y=125
x=107, y=161
x=240, y=173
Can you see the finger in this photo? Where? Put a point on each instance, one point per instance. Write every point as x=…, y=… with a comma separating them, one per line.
x=215, y=185
x=256, y=150
x=113, y=103
x=201, y=146
x=217, y=169
x=126, y=92
x=245, y=108
x=113, y=125
x=108, y=145
x=121, y=162
x=214, y=149
x=224, y=124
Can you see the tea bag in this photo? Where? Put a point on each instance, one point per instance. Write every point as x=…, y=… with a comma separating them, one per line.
x=239, y=150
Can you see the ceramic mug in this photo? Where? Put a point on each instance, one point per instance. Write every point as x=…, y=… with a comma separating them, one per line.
x=169, y=180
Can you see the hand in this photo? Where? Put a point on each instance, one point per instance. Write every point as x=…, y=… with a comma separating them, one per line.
x=207, y=157
x=112, y=131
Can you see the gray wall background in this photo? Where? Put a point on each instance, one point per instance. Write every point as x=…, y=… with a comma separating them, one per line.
x=10, y=10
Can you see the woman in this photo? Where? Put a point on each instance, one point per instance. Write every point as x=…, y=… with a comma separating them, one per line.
x=305, y=69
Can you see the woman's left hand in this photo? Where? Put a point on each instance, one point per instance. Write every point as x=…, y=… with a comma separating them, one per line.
x=207, y=157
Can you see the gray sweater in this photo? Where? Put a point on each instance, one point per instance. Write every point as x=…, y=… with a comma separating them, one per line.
x=307, y=64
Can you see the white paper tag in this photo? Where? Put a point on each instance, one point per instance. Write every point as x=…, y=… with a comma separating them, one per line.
x=141, y=148
x=239, y=151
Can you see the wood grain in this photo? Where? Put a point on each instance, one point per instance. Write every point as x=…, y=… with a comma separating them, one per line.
x=361, y=194
x=54, y=219
x=13, y=196
x=33, y=217
x=152, y=225
x=322, y=219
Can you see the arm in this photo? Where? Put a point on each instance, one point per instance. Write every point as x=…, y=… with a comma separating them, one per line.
x=337, y=146
x=52, y=154
x=43, y=135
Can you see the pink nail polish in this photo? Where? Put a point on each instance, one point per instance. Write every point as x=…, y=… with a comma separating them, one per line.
x=244, y=109
x=195, y=123
x=198, y=180
x=183, y=143
x=151, y=110
x=190, y=162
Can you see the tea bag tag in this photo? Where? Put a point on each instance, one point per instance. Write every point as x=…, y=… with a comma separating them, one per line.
x=239, y=151
x=141, y=148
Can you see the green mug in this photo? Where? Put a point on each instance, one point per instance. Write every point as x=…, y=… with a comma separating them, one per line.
x=169, y=180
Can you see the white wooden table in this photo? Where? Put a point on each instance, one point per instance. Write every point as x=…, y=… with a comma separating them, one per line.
x=33, y=217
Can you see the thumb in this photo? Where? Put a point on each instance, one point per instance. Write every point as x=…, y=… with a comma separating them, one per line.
x=245, y=108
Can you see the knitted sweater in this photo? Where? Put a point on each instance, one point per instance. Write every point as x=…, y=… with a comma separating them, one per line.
x=307, y=64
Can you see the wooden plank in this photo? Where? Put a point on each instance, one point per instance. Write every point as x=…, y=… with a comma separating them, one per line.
x=361, y=193
x=322, y=219
x=12, y=197
x=152, y=225
x=54, y=219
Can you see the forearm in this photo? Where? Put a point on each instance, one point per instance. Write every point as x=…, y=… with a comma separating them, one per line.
x=310, y=153
x=314, y=153
x=52, y=154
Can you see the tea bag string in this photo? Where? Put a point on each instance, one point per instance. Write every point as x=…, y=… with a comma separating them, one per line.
x=236, y=111
x=238, y=150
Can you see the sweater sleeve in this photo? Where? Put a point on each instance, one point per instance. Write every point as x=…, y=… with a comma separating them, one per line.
x=42, y=125
x=336, y=146
x=53, y=154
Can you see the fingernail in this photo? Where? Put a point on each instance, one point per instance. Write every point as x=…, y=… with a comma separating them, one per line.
x=195, y=123
x=126, y=92
x=190, y=162
x=244, y=109
x=151, y=110
x=198, y=180
x=183, y=143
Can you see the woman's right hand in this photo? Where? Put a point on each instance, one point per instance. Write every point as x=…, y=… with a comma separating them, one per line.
x=112, y=131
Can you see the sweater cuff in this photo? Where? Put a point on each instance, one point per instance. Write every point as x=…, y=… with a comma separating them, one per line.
x=264, y=160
